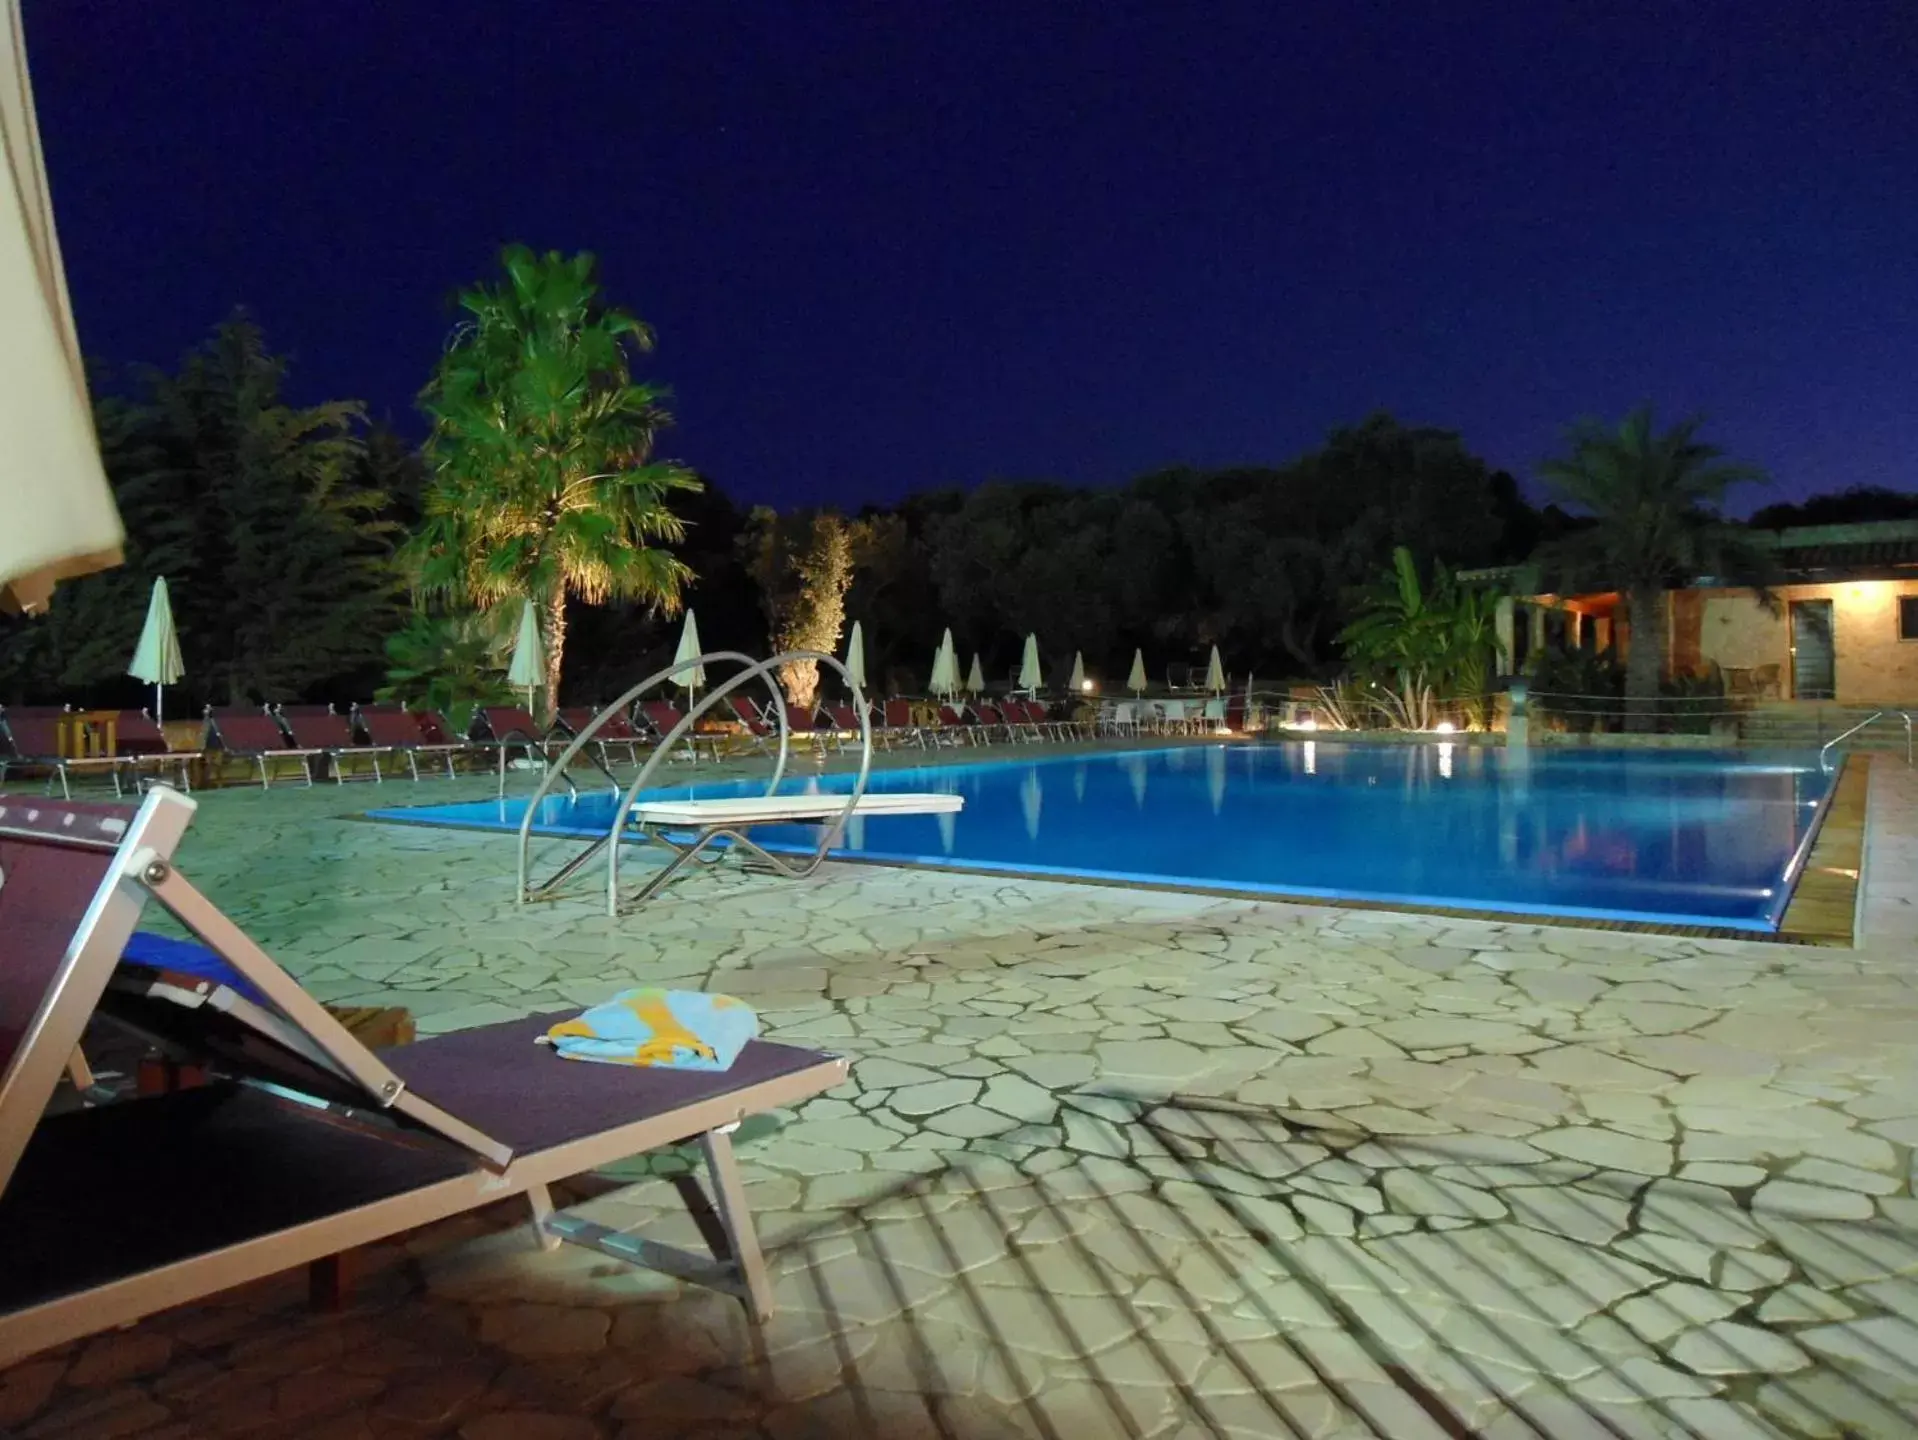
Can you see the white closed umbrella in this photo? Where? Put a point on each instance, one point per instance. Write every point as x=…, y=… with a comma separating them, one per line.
x=1030, y=678
x=1215, y=674
x=156, y=659
x=1135, y=682
x=529, y=656
x=976, y=678
x=1077, y=683
x=61, y=521
x=856, y=657
x=945, y=668
x=689, y=680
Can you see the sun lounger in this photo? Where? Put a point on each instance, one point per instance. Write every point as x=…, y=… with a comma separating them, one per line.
x=952, y=728
x=32, y=742
x=1062, y=727
x=662, y=717
x=988, y=718
x=323, y=729
x=402, y=734
x=255, y=735
x=616, y=734
x=899, y=724
x=304, y=1144
x=688, y=826
x=143, y=746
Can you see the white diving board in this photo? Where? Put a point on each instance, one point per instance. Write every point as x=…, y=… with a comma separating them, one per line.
x=788, y=809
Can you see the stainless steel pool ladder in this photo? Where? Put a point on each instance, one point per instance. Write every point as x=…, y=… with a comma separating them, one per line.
x=1825, y=749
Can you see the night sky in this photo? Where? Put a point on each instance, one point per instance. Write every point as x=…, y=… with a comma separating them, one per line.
x=888, y=247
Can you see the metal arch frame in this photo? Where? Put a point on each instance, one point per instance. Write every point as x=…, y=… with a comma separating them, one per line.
x=685, y=854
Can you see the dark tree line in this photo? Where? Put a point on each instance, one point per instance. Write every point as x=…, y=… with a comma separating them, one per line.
x=281, y=531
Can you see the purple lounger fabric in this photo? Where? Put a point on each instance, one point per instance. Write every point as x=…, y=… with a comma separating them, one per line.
x=499, y=1080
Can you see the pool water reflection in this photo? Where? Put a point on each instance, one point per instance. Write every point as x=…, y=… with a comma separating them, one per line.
x=1679, y=837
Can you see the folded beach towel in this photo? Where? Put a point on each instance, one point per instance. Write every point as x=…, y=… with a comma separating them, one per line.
x=674, y=1029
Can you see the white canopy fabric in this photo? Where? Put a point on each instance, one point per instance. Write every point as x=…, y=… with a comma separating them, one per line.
x=945, y=668
x=61, y=519
x=1030, y=677
x=856, y=656
x=1078, y=681
x=157, y=659
x=976, y=677
x=1136, y=682
x=1215, y=674
x=689, y=650
x=529, y=655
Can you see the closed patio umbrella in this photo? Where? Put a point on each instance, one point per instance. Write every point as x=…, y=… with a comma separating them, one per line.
x=1077, y=683
x=529, y=656
x=689, y=680
x=1215, y=674
x=1030, y=678
x=60, y=517
x=976, y=677
x=156, y=659
x=856, y=657
x=945, y=669
x=1135, y=682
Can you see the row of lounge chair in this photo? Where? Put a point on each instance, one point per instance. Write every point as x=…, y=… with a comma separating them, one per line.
x=369, y=741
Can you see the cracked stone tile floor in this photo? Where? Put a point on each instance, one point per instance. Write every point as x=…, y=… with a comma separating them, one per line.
x=1112, y=1162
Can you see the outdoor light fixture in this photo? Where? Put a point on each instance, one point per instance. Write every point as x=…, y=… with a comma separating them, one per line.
x=1445, y=727
x=1086, y=685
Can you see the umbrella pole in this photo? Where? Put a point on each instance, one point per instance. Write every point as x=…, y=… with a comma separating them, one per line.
x=158, y=691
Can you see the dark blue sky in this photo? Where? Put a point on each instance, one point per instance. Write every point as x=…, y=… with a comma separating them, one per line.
x=889, y=246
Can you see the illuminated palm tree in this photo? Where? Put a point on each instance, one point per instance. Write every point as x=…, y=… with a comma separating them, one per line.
x=1654, y=499
x=542, y=479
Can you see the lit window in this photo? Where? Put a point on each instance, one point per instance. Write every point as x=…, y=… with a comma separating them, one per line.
x=1908, y=617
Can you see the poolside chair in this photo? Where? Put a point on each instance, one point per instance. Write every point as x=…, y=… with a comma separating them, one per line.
x=143, y=746
x=256, y=735
x=1020, y=722
x=953, y=728
x=401, y=733
x=662, y=716
x=304, y=1144
x=759, y=729
x=31, y=741
x=616, y=734
x=989, y=718
x=324, y=729
x=899, y=724
x=845, y=724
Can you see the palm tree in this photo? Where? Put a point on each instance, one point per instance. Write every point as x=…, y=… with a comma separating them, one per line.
x=541, y=484
x=1654, y=499
x=1420, y=645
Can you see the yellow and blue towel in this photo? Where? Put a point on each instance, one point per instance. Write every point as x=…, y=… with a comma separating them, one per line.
x=672, y=1029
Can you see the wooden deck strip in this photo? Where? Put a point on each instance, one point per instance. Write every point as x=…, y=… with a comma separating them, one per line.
x=1824, y=906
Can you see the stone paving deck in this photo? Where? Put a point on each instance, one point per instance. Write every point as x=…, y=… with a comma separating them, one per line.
x=1114, y=1163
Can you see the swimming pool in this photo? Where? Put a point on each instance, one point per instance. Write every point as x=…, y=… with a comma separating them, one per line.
x=1674, y=838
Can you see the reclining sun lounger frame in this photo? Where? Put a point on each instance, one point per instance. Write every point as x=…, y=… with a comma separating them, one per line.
x=314, y=1144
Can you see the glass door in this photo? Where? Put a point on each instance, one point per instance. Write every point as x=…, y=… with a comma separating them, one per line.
x=1813, y=660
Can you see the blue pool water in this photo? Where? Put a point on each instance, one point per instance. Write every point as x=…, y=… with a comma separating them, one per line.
x=1678, y=837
